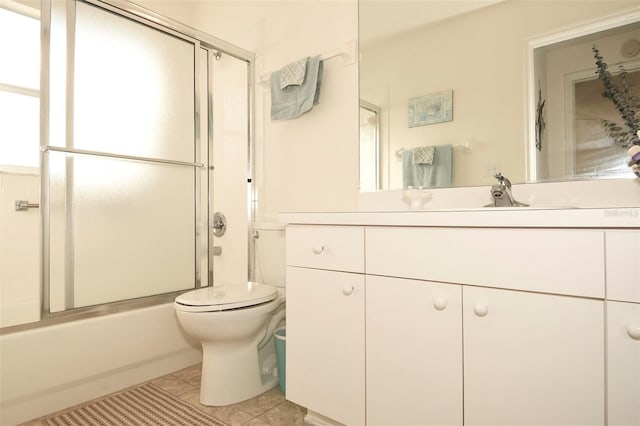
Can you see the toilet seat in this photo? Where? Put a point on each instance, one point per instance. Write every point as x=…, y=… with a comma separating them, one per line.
x=226, y=297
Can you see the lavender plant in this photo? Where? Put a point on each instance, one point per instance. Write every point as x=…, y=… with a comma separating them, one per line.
x=625, y=101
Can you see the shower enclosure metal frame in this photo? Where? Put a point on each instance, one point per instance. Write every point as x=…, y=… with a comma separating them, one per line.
x=201, y=40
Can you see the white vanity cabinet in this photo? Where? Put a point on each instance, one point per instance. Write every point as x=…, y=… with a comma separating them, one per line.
x=518, y=259
x=414, y=352
x=527, y=357
x=468, y=324
x=532, y=359
x=326, y=321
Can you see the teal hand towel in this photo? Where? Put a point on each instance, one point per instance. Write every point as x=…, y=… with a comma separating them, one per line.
x=436, y=174
x=423, y=155
x=293, y=74
x=293, y=101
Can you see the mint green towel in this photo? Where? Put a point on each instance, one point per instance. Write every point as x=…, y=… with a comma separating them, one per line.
x=436, y=174
x=293, y=101
x=293, y=74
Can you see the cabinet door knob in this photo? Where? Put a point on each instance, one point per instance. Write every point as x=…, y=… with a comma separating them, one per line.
x=318, y=249
x=634, y=331
x=481, y=309
x=439, y=303
x=347, y=289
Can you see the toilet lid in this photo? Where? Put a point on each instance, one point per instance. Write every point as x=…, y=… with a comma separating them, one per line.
x=224, y=297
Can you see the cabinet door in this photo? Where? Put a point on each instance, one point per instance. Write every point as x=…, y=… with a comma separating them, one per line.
x=325, y=343
x=414, y=352
x=623, y=364
x=532, y=359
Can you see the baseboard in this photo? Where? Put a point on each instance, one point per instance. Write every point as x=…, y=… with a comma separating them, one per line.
x=316, y=419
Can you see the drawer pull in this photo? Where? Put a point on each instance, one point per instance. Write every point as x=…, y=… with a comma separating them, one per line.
x=318, y=249
x=439, y=303
x=347, y=289
x=634, y=331
x=481, y=309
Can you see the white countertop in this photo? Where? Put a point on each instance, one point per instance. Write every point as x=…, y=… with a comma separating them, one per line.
x=482, y=217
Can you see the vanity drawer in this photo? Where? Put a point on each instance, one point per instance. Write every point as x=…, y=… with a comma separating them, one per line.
x=623, y=265
x=542, y=260
x=338, y=248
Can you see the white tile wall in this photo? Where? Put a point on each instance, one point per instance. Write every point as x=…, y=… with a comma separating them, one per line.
x=19, y=250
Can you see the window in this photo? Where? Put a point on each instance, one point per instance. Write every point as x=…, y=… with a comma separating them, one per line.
x=19, y=86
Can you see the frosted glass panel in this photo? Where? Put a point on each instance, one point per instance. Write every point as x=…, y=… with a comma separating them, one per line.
x=134, y=88
x=121, y=230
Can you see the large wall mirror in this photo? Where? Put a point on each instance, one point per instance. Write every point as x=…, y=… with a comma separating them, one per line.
x=470, y=88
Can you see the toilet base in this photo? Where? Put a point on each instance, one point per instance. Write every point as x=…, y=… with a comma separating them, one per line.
x=232, y=373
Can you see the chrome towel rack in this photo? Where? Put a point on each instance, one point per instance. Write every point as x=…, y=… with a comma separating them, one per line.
x=24, y=205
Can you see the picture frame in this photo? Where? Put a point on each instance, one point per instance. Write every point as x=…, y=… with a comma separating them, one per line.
x=431, y=109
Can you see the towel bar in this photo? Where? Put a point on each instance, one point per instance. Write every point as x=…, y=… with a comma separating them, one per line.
x=348, y=53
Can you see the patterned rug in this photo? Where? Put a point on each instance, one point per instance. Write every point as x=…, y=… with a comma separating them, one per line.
x=140, y=406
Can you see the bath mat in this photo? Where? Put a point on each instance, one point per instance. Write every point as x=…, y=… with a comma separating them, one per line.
x=141, y=406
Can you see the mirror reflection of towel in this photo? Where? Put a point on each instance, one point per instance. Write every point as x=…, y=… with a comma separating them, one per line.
x=436, y=174
x=423, y=155
x=293, y=101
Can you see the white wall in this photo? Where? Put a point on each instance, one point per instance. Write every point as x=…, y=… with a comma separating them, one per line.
x=310, y=163
x=19, y=250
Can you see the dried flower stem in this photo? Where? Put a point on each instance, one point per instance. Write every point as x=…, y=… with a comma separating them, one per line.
x=626, y=103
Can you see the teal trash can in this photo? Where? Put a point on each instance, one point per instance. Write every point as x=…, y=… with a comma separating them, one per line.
x=280, y=335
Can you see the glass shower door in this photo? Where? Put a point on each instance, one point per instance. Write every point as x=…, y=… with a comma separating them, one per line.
x=122, y=160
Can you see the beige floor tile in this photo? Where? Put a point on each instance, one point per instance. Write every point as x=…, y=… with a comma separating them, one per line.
x=256, y=422
x=285, y=414
x=191, y=374
x=229, y=414
x=173, y=385
x=262, y=403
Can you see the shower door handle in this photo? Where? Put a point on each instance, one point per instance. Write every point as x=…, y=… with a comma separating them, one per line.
x=24, y=205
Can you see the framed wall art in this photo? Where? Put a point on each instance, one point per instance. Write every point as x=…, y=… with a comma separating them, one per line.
x=431, y=109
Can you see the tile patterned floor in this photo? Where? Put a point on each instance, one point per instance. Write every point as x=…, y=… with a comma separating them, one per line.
x=268, y=409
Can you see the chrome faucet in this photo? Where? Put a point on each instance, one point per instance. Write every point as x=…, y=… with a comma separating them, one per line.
x=501, y=193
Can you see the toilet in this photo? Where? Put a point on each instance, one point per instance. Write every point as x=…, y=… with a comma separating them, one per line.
x=235, y=324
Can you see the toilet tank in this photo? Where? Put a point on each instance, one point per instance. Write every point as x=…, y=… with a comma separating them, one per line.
x=269, y=252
